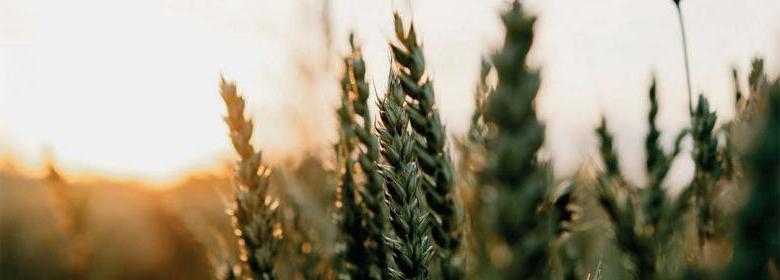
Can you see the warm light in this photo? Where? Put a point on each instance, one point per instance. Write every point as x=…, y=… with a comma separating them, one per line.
x=129, y=88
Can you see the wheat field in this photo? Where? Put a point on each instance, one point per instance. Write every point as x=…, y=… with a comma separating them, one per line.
x=398, y=192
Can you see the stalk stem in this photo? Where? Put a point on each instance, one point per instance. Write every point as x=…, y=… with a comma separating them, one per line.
x=685, y=55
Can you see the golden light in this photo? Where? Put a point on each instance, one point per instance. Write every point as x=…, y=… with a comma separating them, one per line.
x=128, y=88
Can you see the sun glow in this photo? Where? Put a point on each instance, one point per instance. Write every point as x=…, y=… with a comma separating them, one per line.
x=109, y=93
x=129, y=88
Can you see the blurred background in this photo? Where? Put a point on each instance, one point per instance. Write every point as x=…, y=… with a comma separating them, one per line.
x=129, y=88
x=121, y=96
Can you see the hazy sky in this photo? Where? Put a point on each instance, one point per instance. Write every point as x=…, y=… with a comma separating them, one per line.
x=129, y=88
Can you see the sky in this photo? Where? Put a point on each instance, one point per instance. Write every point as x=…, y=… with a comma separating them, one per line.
x=129, y=88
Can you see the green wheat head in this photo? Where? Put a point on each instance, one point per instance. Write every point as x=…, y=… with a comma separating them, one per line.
x=523, y=232
x=758, y=233
x=353, y=254
x=478, y=129
x=410, y=241
x=430, y=146
x=372, y=190
x=708, y=167
x=644, y=219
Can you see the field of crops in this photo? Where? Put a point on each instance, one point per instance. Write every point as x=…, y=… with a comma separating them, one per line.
x=398, y=196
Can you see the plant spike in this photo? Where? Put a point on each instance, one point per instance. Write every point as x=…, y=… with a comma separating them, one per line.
x=255, y=216
x=471, y=148
x=430, y=147
x=657, y=164
x=410, y=243
x=523, y=229
x=607, y=150
x=726, y=152
x=642, y=232
x=566, y=213
x=758, y=83
x=738, y=96
x=615, y=200
x=653, y=152
x=372, y=191
x=744, y=107
x=757, y=79
x=478, y=130
x=354, y=255
x=758, y=232
x=708, y=168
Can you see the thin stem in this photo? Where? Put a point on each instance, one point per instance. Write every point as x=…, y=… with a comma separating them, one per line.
x=685, y=54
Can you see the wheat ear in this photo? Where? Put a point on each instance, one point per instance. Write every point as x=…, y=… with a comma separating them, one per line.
x=372, y=191
x=353, y=254
x=430, y=147
x=644, y=219
x=255, y=219
x=521, y=181
x=478, y=130
x=410, y=243
x=708, y=168
x=757, y=243
x=615, y=199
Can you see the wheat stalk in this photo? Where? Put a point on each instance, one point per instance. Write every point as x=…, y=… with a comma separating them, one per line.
x=657, y=163
x=478, y=129
x=685, y=55
x=410, y=243
x=524, y=229
x=744, y=106
x=727, y=152
x=472, y=151
x=372, y=191
x=708, y=168
x=607, y=150
x=431, y=147
x=255, y=218
x=757, y=85
x=614, y=199
x=306, y=245
x=354, y=254
x=566, y=212
x=759, y=221
x=642, y=232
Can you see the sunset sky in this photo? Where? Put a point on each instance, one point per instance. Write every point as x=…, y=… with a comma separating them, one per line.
x=129, y=88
